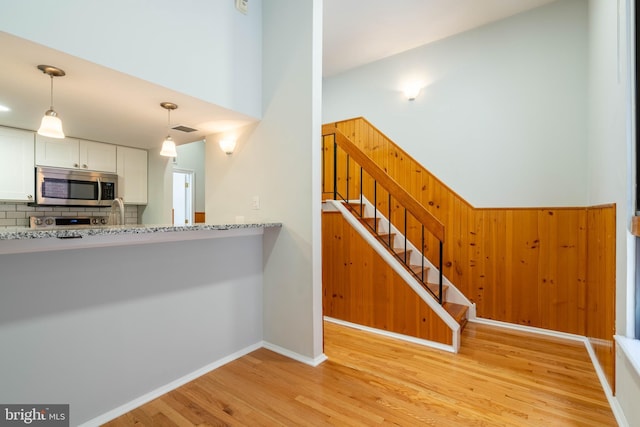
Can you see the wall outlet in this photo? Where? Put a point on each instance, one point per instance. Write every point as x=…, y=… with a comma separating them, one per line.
x=242, y=6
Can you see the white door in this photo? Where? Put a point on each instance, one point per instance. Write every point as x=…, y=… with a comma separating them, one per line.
x=182, y=197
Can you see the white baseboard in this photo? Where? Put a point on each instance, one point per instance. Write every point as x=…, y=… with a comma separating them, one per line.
x=129, y=406
x=529, y=329
x=414, y=340
x=613, y=402
x=293, y=355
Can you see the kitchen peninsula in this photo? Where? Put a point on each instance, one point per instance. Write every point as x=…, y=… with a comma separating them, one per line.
x=116, y=316
x=21, y=239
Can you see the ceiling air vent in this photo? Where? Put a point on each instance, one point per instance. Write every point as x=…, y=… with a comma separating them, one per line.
x=183, y=128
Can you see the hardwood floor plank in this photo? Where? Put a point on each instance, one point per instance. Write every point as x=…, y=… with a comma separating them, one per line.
x=499, y=378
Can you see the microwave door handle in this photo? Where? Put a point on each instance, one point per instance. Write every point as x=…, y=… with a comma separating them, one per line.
x=99, y=191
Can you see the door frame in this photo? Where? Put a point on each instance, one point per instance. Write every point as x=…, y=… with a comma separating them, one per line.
x=192, y=192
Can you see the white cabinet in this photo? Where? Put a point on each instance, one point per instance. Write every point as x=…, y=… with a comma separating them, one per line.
x=61, y=153
x=75, y=154
x=132, y=175
x=17, y=175
x=97, y=156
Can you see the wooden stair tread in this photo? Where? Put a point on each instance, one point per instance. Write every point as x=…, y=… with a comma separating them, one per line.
x=371, y=221
x=435, y=287
x=457, y=311
x=417, y=269
x=386, y=237
x=401, y=252
x=355, y=207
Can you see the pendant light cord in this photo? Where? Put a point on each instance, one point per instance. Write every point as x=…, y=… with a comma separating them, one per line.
x=51, y=75
x=168, y=122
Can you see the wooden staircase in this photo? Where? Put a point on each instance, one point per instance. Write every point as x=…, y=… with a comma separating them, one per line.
x=458, y=311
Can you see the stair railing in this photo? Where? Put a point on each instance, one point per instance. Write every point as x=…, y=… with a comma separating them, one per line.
x=363, y=176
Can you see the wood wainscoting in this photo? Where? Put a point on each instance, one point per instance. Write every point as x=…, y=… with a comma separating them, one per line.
x=550, y=268
x=360, y=287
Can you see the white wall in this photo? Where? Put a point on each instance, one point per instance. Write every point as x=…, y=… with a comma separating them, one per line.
x=202, y=48
x=502, y=117
x=611, y=174
x=97, y=328
x=278, y=160
x=159, y=191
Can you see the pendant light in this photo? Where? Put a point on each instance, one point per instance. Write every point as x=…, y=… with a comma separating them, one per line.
x=51, y=124
x=168, y=146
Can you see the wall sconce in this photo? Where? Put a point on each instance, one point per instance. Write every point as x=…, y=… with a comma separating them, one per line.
x=227, y=145
x=51, y=124
x=412, y=90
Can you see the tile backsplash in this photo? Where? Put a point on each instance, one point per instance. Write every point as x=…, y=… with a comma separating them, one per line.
x=17, y=214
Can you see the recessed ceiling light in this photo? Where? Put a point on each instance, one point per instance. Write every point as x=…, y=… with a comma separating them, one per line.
x=4, y=108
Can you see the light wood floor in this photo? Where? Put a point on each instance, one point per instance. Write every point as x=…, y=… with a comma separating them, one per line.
x=499, y=378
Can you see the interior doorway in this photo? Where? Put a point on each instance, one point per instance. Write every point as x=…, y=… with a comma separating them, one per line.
x=183, y=197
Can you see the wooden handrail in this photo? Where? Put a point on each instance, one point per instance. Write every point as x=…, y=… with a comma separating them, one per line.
x=401, y=195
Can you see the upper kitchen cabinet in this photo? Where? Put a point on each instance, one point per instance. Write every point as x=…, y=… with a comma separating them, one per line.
x=132, y=175
x=17, y=176
x=75, y=154
x=61, y=153
x=97, y=156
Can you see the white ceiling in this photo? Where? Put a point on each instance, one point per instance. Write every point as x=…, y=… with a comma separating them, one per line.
x=101, y=104
x=98, y=103
x=357, y=32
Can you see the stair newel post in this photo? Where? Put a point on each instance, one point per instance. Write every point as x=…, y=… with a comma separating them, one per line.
x=440, y=275
x=389, y=210
x=361, y=201
x=422, y=253
x=375, y=205
x=348, y=180
x=405, y=235
x=335, y=168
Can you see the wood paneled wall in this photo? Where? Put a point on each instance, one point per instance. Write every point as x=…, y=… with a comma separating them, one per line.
x=550, y=268
x=360, y=287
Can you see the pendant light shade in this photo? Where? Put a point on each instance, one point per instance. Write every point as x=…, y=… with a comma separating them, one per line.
x=51, y=124
x=168, y=146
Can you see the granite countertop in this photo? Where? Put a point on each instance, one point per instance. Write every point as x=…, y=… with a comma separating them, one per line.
x=21, y=233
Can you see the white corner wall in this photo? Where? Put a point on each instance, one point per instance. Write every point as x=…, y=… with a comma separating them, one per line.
x=202, y=48
x=99, y=328
x=278, y=161
x=502, y=116
x=611, y=174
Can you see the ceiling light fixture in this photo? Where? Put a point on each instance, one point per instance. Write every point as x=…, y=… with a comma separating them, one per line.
x=228, y=145
x=51, y=124
x=168, y=146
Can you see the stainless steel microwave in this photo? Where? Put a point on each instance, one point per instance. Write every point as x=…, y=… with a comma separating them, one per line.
x=70, y=187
